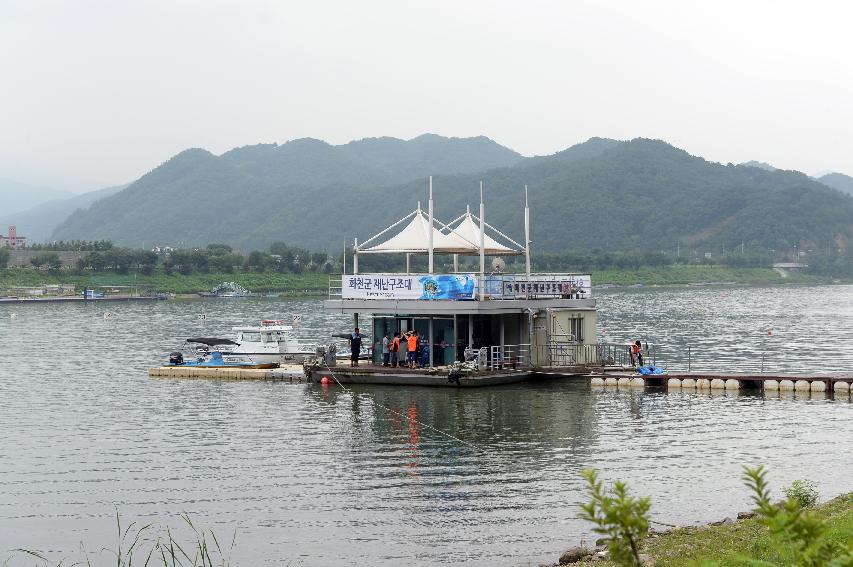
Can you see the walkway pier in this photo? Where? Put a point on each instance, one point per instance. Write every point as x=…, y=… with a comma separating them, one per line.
x=836, y=383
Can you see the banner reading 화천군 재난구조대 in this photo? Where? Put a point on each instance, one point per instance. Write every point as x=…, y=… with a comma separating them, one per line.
x=399, y=286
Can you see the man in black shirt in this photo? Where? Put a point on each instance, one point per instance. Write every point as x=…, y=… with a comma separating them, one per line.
x=355, y=346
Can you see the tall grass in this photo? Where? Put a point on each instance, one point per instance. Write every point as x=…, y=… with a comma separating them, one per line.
x=143, y=545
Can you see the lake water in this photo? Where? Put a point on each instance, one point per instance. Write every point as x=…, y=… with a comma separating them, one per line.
x=312, y=475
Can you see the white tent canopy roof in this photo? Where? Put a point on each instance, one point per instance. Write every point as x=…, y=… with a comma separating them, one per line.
x=414, y=239
x=468, y=231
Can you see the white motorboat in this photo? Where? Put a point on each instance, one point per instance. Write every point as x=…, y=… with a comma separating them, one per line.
x=272, y=341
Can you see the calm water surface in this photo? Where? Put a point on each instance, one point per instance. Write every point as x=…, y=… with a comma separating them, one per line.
x=318, y=476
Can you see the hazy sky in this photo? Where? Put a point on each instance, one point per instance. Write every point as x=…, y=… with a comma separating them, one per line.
x=94, y=93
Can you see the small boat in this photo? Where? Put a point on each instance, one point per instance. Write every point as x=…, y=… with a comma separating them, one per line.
x=215, y=360
x=272, y=341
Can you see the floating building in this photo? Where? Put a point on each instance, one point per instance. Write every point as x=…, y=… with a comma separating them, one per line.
x=517, y=321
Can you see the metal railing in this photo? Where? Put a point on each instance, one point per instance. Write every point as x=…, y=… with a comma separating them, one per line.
x=336, y=286
x=615, y=354
x=509, y=357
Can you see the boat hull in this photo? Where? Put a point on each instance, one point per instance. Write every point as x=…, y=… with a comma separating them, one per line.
x=256, y=366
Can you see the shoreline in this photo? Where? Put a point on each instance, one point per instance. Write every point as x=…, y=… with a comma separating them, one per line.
x=717, y=541
x=317, y=285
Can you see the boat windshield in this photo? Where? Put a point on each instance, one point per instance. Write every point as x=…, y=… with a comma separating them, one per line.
x=251, y=337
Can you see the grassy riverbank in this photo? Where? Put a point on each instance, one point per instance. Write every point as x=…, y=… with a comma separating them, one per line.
x=692, y=274
x=313, y=284
x=289, y=284
x=729, y=544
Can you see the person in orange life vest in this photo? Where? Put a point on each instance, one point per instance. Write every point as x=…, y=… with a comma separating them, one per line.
x=395, y=349
x=637, y=353
x=412, y=347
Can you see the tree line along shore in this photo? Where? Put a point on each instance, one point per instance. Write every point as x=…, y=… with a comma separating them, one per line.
x=317, y=284
x=298, y=271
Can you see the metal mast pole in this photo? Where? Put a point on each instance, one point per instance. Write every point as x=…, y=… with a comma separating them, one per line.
x=355, y=256
x=527, y=232
x=430, y=231
x=482, y=245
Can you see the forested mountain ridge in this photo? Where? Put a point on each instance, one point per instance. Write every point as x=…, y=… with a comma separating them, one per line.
x=648, y=195
x=252, y=195
x=603, y=194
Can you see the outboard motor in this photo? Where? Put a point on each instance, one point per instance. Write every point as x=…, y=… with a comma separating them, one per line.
x=176, y=358
x=331, y=351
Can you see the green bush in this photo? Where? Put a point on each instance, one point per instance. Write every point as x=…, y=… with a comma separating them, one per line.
x=801, y=536
x=791, y=523
x=804, y=492
x=623, y=520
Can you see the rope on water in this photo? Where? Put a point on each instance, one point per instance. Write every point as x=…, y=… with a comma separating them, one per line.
x=406, y=417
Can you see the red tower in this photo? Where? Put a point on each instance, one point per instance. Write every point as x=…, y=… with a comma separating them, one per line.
x=13, y=239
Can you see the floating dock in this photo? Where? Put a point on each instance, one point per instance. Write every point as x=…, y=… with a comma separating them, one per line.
x=289, y=373
x=364, y=374
x=619, y=377
x=836, y=383
x=370, y=374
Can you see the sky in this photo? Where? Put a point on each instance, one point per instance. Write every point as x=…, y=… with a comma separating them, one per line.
x=97, y=93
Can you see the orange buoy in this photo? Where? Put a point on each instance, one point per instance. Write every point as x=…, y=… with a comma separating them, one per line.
x=325, y=381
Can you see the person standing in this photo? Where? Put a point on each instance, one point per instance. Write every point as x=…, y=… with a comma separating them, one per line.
x=355, y=347
x=386, y=350
x=637, y=353
x=395, y=350
x=412, y=348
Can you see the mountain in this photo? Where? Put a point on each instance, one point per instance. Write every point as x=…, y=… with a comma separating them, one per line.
x=759, y=165
x=254, y=195
x=647, y=195
x=843, y=183
x=643, y=195
x=16, y=196
x=38, y=223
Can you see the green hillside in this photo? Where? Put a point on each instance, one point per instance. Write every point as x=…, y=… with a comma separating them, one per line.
x=254, y=195
x=648, y=195
x=603, y=194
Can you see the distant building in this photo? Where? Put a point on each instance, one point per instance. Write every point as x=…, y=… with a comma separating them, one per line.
x=13, y=240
